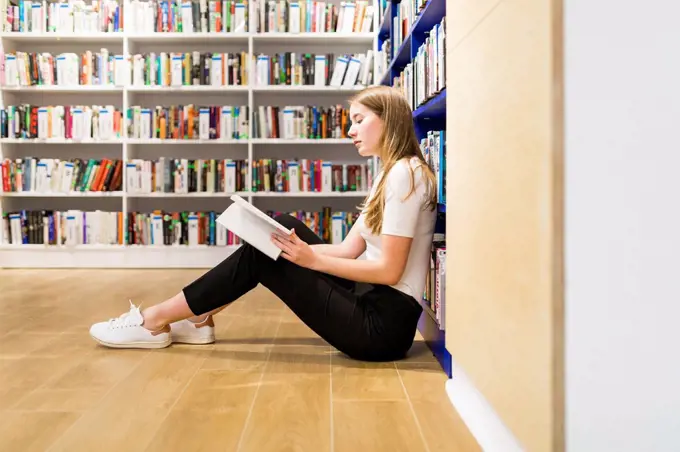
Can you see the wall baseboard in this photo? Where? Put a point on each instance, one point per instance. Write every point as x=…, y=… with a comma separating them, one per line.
x=478, y=415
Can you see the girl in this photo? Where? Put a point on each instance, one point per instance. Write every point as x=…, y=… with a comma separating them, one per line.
x=366, y=308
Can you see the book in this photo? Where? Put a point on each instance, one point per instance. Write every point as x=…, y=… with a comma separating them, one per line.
x=252, y=225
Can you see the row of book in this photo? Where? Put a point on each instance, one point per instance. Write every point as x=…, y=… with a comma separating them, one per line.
x=425, y=76
x=331, y=226
x=434, y=294
x=156, y=141
x=298, y=121
x=61, y=121
x=188, y=122
x=107, y=122
x=156, y=228
x=63, y=16
x=311, y=175
x=181, y=175
x=312, y=16
x=49, y=175
x=404, y=17
x=190, y=69
x=232, y=69
x=433, y=147
x=193, y=68
x=291, y=68
x=176, y=175
x=63, y=69
x=383, y=58
x=181, y=16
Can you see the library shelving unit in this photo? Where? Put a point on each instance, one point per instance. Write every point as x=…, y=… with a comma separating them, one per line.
x=261, y=32
x=408, y=31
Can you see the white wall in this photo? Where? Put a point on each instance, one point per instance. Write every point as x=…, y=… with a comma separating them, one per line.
x=622, y=92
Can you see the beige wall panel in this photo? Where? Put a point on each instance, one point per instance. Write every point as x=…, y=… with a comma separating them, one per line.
x=469, y=13
x=504, y=214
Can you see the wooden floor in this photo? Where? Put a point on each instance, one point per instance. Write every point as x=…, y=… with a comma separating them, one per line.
x=267, y=384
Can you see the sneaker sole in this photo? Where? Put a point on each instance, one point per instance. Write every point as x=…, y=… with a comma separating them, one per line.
x=134, y=344
x=192, y=341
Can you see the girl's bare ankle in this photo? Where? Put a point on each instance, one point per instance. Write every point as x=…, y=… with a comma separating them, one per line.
x=150, y=322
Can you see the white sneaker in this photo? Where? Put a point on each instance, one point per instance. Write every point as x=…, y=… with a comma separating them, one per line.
x=188, y=332
x=127, y=331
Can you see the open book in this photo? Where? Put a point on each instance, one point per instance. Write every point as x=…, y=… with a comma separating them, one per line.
x=252, y=225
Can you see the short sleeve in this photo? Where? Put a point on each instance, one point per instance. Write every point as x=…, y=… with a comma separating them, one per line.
x=400, y=216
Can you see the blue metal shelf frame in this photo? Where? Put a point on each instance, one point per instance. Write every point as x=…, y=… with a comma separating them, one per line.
x=385, y=25
x=431, y=14
x=431, y=115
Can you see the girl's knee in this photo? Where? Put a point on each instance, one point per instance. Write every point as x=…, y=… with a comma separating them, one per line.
x=286, y=220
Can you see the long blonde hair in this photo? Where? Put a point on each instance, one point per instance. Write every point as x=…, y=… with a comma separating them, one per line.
x=398, y=141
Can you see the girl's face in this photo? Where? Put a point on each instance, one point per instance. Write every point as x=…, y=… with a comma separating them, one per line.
x=366, y=130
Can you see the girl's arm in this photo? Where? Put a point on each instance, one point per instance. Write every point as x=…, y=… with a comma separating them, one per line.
x=387, y=270
x=400, y=220
x=351, y=248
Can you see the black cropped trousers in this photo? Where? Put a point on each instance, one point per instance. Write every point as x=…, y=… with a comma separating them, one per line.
x=369, y=322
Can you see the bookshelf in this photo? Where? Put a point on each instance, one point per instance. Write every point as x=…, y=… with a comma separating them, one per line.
x=407, y=32
x=131, y=32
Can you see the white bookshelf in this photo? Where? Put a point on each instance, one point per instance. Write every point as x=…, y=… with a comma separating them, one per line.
x=112, y=256
x=128, y=43
x=60, y=38
x=179, y=37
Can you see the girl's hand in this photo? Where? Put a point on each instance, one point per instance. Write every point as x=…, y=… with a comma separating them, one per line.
x=295, y=249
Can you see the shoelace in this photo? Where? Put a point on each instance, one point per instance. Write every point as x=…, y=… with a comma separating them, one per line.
x=126, y=319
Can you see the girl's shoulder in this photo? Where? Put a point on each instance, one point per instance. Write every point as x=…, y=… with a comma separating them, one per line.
x=406, y=170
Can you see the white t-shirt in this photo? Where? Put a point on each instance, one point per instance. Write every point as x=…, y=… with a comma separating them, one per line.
x=407, y=218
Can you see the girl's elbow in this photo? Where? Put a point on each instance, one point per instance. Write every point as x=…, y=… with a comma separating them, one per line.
x=391, y=271
x=392, y=276
x=392, y=281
